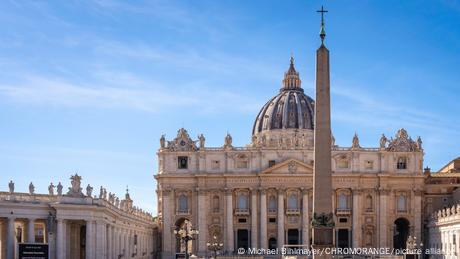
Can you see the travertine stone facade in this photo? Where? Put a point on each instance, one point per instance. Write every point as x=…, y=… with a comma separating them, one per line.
x=260, y=195
x=76, y=225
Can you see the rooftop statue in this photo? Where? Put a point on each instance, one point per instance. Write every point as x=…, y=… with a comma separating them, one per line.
x=59, y=189
x=383, y=141
x=162, y=141
x=75, y=190
x=11, y=186
x=31, y=188
x=228, y=141
x=51, y=189
x=355, y=142
x=202, y=140
x=89, y=190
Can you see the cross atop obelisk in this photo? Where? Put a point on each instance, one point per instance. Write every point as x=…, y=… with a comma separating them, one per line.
x=322, y=32
x=323, y=217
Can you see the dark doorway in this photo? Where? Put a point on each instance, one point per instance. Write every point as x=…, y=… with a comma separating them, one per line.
x=242, y=239
x=293, y=237
x=401, y=233
x=343, y=238
x=83, y=242
x=272, y=243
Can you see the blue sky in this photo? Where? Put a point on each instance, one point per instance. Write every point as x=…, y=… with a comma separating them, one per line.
x=89, y=86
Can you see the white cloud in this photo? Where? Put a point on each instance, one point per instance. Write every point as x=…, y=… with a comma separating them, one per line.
x=44, y=91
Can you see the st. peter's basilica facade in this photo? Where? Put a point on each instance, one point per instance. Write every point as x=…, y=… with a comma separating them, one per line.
x=260, y=195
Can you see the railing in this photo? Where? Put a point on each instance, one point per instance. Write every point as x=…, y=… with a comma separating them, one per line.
x=343, y=211
x=241, y=211
x=293, y=212
x=183, y=212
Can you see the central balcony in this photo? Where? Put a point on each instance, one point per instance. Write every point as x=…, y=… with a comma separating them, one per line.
x=241, y=211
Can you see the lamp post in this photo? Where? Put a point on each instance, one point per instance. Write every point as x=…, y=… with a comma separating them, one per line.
x=186, y=233
x=214, y=246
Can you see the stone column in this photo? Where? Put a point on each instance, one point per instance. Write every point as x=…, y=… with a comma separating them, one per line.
x=202, y=213
x=229, y=241
x=254, y=218
x=100, y=239
x=383, y=226
x=417, y=194
x=89, y=240
x=109, y=242
x=167, y=237
x=305, y=219
x=10, y=237
x=357, y=232
x=31, y=230
x=61, y=239
x=263, y=220
x=280, y=218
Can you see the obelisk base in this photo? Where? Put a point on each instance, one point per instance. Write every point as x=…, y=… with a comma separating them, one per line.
x=323, y=237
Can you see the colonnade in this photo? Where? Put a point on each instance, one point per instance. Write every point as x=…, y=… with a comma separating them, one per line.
x=103, y=239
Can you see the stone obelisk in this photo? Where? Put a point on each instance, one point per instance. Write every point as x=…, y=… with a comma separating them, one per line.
x=323, y=221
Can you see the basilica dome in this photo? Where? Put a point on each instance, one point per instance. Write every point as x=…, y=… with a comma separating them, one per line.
x=290, y=110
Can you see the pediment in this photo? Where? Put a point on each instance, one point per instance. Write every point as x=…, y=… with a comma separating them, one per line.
x=289, y=167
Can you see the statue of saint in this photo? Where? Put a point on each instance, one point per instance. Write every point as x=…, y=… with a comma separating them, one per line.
x=383, y=141
x=89, y=190
x=228, y=141
x=104, y=194
x=355, y=143
x=51, y=189
x=162, y=141
x=11, y=186
x=332, y=140
x=76, y=183
x=101, y=192
x=419, y=143
x=202, y=140
x=59, y=189
x=31, y=188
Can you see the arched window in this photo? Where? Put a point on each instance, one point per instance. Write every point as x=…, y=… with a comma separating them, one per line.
x=183, y=203
x=272, y=203
x=402, y=203
x=242, y=201
x=369, y=202
x=343, y=201
x=215, y=203
x=402, y=163
x=292, y=202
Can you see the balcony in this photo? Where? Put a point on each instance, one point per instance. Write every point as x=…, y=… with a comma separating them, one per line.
x=241, y=211
x=292, y=212
x=183, y=212
x=272, y=211
x=343, y=211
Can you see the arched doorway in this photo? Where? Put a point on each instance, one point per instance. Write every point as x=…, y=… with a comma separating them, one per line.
x=272, y=243
x=401, y=233
x=182, y=224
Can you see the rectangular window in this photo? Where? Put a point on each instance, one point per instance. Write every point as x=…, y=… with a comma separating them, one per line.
x=272, y=220
x=241, y=220
x=369, y=165
x=182, y=162
x=240, y=164
x=343, y=220
x=271, y=163
x=402, y=163
x=215, y=164
x=342, y=164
